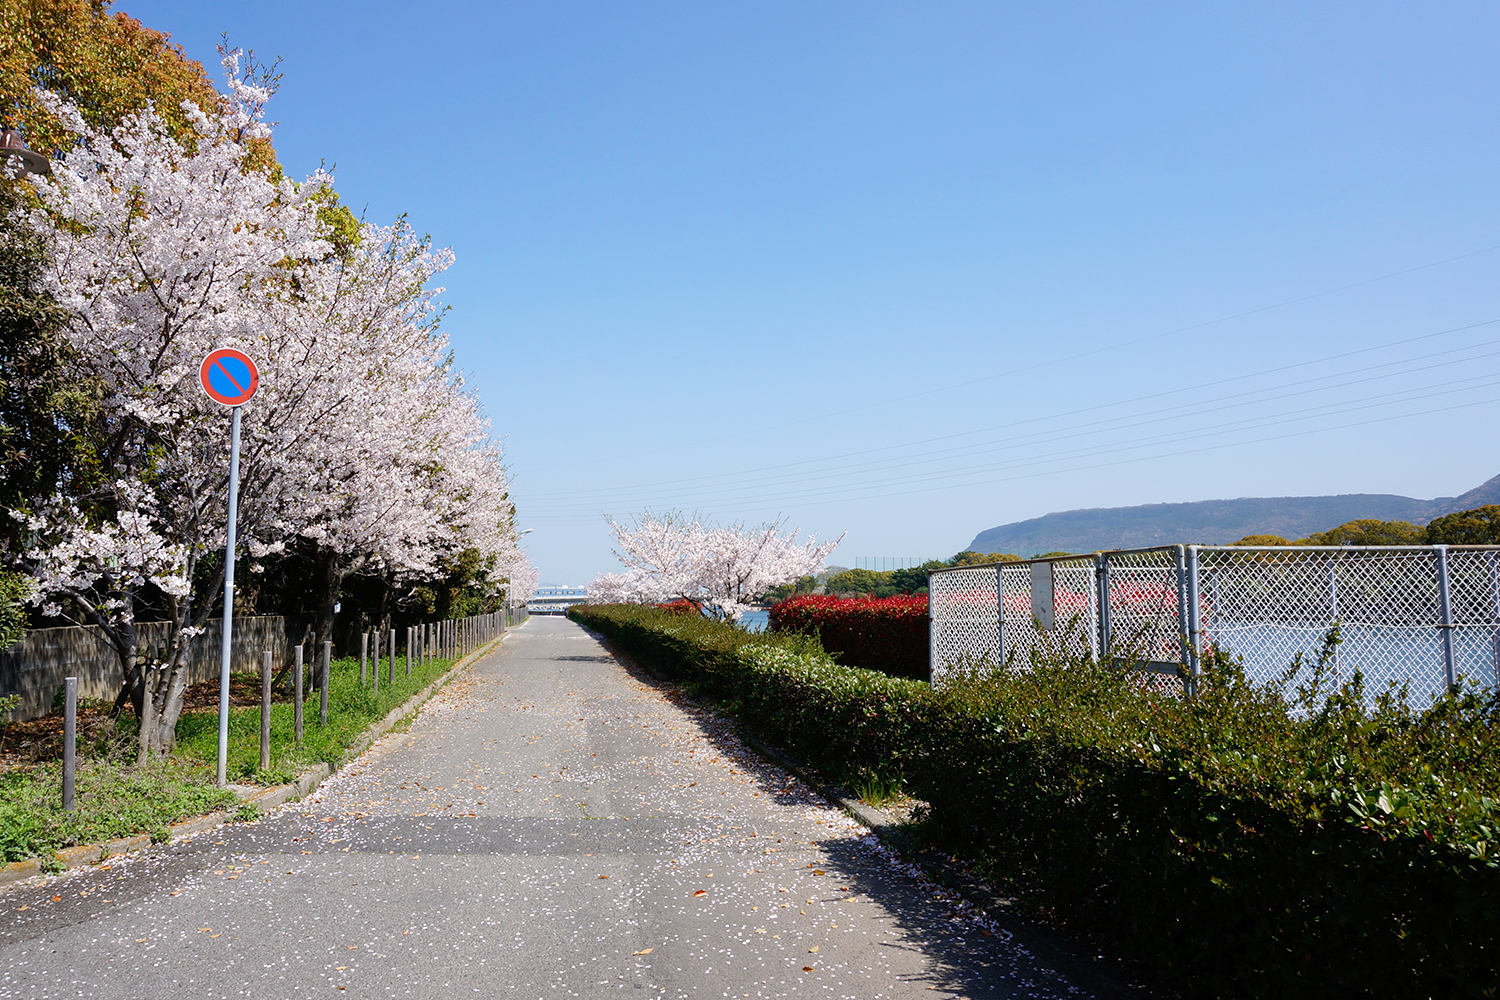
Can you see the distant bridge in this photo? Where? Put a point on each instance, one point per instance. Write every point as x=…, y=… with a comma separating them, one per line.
x=555, y=600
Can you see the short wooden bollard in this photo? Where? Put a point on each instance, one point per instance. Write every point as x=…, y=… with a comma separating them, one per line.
x=265, y=710
x=364, y=652
x=297, y=694
x=70, y=740
x=323, y=685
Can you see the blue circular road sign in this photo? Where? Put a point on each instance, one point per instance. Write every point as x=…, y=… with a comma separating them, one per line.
x=229, y=377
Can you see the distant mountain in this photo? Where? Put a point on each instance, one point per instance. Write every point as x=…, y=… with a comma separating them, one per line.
x=1214, y=522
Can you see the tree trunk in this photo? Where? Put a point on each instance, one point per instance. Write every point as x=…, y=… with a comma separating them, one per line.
x=333, y=570
x=163, y=690
x=330, y=582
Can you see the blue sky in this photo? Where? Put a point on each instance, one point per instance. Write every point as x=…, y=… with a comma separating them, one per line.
x=915, y=270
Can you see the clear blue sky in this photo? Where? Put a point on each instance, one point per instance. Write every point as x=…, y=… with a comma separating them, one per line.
x=915, y=270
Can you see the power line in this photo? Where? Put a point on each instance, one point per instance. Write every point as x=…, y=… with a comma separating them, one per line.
x=783, y=486
x=852, y=491
x=1096, y=351
x=601, y=492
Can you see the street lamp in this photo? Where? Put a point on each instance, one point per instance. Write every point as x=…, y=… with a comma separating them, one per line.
x=13, y=147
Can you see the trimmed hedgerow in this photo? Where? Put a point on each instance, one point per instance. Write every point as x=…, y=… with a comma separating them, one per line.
x=1246, y=843
x=888, y=634
x=1241, y=842
x=855, y=723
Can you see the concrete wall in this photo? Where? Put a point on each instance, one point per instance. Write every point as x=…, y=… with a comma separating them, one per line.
x=36, y=667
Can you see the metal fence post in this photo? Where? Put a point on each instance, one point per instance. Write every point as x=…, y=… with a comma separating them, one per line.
x=70, y=740
x=1494, y=562
x=1000, y=614
x=1445, y=611
x=375, y=664
x=364, y=651
x=931, y=634
x=1333, y=603
x=297, y=694
x=393, y=656
x=265, y=710
x=1101, y=603
x=1195, y=618
x=1180, y=554
x=323, y=685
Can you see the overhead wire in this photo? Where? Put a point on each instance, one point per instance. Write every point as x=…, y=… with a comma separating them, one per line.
x=788, y=490
x=789, y=486
x=829, y=498
x=1119, y=345
x=821, y=461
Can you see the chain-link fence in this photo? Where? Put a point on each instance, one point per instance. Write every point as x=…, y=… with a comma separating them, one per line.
x=1424, y=616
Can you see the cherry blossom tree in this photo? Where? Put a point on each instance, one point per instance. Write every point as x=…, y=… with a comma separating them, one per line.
x=669, y=557
x=521, y=578
x=362, y=441
x=359, y=439
x=161, y=252
x=382, y=498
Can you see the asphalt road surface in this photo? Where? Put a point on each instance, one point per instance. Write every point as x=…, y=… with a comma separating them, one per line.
x=553, y=824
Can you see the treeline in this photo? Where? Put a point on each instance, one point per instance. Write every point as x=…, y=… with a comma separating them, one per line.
x=371, y=490
x=1480, y=526
x=885, y=583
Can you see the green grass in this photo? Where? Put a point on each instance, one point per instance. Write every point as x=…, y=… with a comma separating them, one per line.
x=352, y=709
x=876, y=788
x=115, y=798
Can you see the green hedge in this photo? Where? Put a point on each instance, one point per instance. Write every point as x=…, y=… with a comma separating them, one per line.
x=1242, y=843
x=855, y=723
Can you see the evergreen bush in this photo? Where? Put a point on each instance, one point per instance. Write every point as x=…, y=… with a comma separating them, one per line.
x=1325, y=842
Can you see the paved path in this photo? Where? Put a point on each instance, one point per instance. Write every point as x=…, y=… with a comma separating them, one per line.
x=551, y=825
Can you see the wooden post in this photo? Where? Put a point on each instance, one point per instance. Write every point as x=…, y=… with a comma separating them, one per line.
x=375, y=662
x=323, y=685
x=70, y=740
x=265, y=710
x=297, y=694
x=364, y=651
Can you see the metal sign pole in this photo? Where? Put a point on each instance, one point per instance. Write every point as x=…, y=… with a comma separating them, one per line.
x=229, y=541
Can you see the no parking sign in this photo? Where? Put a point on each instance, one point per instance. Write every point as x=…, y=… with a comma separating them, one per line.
x=229, y=376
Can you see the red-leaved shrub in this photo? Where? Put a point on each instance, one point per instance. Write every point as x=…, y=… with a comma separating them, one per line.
x=888, y=634
x=683, y=607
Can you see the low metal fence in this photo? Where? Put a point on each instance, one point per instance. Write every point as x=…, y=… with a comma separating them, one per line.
x=1424, y=616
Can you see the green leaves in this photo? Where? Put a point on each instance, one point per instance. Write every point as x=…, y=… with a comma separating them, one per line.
x=1242, y=843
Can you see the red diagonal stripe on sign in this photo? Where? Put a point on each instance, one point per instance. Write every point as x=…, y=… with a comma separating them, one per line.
x=220, y=365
